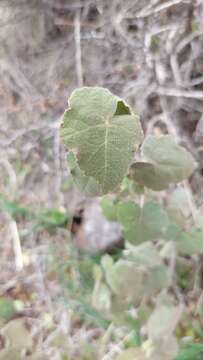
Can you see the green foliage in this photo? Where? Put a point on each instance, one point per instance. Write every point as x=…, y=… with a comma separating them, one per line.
x=13, y=208
x=42, y=219
x=191, y=352
x=133, y=277
x=103, y=135
x=166, y=163
x=142, y=224
x=7, y=309
x=191, y=242
x=94, y=127
x=109, y=208
x=50, y=219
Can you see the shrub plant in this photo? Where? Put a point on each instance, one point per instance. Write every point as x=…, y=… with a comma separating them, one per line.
x=109, y=157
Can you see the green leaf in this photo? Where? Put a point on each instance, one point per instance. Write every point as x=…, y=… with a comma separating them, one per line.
x=51, y=218
x=144, y=254
x=109, y=208
x=130, y=187
x=190, y=243
x=104, y=133
x=167, y=163
x=191, y=352
x=130, y=282
x=142, y=224
x=178, y=199
x=13, y=208
x=7, y=309
x=86, y=184
x=173, y=232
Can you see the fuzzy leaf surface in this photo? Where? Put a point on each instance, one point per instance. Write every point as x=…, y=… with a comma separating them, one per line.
x=167, y=163
x=103, y=132
x=86, y=184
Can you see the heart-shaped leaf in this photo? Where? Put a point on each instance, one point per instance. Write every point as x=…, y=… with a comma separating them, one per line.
x=103, y=132
x=167, y=163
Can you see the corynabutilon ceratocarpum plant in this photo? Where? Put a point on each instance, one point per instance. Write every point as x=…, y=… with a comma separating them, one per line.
x=103, y=136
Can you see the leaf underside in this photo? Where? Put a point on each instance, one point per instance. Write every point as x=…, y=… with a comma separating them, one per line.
x=103, y=132
x=86, y=184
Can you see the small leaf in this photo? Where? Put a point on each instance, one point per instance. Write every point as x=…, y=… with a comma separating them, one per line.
x=51, y=218
x=142, y=224
x=168, y=163
x=86, y=184
x=7, y=309
x=104, y=132
x=109, y=208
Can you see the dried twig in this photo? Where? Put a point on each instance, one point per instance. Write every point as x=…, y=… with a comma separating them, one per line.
x=16, y=245
x=78, y=52
x=149, y=10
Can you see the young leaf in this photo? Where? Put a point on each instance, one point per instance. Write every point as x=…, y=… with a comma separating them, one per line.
x=86, y=184
x=104, y=133
x=167, y=163
x=142, y=224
